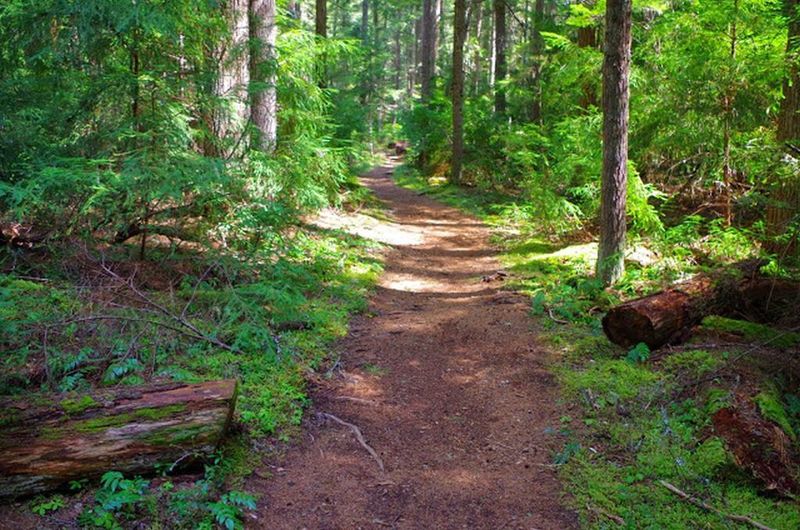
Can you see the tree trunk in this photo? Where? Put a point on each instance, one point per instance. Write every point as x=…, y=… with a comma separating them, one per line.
x=616, y=68
x=427, y=71
x=321, y=18
x=476, y=58
x=537, y=49
x=459, y=36
x=230, y=119
x=668, y=316
x=265, y=97
x=785, y=192
x=587, y=38
x=500, y=56
x=125, y=429
x=364, y=19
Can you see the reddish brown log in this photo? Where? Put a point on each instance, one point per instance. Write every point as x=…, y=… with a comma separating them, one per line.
x=667, y=317
x=44, y=445
x=758, y=446
x=661, y=318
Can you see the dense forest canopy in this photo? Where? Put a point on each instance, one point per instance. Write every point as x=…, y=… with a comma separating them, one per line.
x=160, y=161
x=119, y=115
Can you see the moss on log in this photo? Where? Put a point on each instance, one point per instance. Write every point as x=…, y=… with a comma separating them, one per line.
x=44, y=444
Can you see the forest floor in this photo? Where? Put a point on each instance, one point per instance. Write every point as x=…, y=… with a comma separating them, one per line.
x=447, y=382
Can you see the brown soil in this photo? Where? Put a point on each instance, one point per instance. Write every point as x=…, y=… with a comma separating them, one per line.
x=446, y=380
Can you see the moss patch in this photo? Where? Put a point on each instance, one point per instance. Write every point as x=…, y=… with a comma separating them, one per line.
x=118, y=420
x=752, y=331
x=77, y=405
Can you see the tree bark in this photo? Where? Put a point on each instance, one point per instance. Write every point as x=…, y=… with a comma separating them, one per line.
x=364, y=19
x=127, y=429
x=459, y=36
x=785, y=193
x=500, y=56
x=537, y=49
x=321, y=18
x=587, y=38
x=428, y=69
x=616, y=69
x=476, y=57
x=265, y=97
x=230, y=119
x=668, y=316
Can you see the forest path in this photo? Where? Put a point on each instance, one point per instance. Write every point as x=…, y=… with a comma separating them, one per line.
x=445, y=378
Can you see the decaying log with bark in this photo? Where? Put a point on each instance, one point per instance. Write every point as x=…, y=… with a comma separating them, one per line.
x=44, y=445
x=667, y=317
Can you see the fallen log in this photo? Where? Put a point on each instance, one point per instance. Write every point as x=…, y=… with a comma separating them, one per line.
x=45, y=445
x=664, y=317
x=667, y=317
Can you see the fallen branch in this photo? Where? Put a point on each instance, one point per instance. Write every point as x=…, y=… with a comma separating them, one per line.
x=359, y=437
x=356, y=400
x=705, y=506
x=178, y=319
x=553, y=317
x=608, y=515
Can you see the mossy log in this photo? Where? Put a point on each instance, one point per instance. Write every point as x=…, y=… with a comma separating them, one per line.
x=46, y=443
x=667, y=317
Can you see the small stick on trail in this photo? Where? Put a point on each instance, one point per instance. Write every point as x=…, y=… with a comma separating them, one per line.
x=359, y=437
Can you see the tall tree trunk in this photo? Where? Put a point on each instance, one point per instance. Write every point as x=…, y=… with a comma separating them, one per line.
x=587, y=38
x=398, y=59
x=428, y=49
x=321, y=18
x=537, y=49
x=728, y=112
x=364, y=19
x=265, y=97
x=785, y=193
x=229, y=120
x=459, y=36
x=500, y=56
x=616, y=70
x=476, y=57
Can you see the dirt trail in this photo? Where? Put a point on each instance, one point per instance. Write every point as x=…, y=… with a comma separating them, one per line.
x=446, y=381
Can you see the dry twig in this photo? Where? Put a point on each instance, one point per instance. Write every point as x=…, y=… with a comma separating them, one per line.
x=359, y=437
x=705, y=506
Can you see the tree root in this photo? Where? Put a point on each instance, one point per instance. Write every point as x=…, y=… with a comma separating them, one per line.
x=359, y=436
x=705, y=506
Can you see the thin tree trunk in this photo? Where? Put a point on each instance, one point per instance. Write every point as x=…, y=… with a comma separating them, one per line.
x=492, y=56
x=364, y=19
x=265, y=98
x=537, y=48
x=428, y=49
x=230, y=118
x=587, y=38
x=398, y=59
x=500, y=56
x=727, y=112
x=785, y=193
x=459, y=36
x=321, y=18
x=476, y=58
x=616, y=70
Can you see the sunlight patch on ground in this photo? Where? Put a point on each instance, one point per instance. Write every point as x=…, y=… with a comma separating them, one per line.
x=409, y=284
x=368, y=227
x=588, y=253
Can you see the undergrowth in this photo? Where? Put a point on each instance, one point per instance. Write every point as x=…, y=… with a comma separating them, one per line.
x=264, y=314
x=646, y=416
